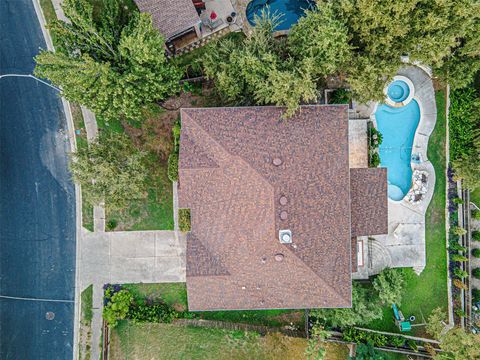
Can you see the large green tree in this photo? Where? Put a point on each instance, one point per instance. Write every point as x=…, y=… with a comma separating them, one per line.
x=258, y=69
x=365, y=308
x=110, y=169
x=441, y=34
x=114, y=63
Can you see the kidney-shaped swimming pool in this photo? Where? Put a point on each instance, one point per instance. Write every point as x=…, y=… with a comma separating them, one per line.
x=397, y=126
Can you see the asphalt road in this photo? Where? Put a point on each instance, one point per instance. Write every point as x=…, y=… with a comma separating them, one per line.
x=37, y=200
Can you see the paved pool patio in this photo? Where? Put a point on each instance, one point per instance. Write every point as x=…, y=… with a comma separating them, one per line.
x=404, y=245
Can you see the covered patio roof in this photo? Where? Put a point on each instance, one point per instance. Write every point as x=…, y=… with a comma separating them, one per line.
x=170, y=17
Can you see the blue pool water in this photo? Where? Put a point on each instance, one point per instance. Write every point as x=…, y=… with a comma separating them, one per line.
x=398, y=91
x=290, y=11
x=397, y=126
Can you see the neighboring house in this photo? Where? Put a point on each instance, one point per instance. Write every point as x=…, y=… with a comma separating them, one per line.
x=173, y=19
x=275, y=207
x=187, y=24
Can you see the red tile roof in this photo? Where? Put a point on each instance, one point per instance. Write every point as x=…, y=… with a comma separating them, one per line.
x=247, y=173
x=171, y=17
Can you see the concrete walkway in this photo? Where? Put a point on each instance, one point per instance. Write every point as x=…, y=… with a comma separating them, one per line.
x=127, y=257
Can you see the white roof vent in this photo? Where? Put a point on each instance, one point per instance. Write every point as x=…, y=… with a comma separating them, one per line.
x=285, y=236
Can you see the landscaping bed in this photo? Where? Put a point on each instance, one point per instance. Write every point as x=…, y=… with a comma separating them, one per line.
x=175, y=295
x=428, y=291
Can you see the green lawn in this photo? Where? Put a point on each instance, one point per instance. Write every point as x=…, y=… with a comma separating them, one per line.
x=169, y=341
x=155, y=211
x=424, y=293
x=87, y=305
x=175, y=294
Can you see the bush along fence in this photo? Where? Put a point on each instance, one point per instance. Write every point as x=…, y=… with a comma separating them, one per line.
x=457, y=249
x=391, y=342
x=173, y=157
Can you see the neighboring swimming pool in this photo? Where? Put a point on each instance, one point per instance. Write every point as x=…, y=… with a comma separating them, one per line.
x=397, y=126
x=290, y=11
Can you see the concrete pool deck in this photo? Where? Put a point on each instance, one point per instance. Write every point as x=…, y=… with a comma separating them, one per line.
x=404, y=246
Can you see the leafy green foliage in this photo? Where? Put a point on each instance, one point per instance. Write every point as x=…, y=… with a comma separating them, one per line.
x=258, y=69
x=389, y=284
x=476, y=295
x=367, y=352
x=476, y=253
x=379, y=33
x=184, y=220
x=117, y=307
x=455, y=246
x=114, y=65
x=173, y=167
x=340, y=96
x=458, y=257
x=458, y=230
x=458, y=345
x=321, y=38
x=476, y=273
x=476, y=213
x=110, y=169
x=460, y=273
x=476, y=235
x=365, y=308
x=160, y=312
x=436, y=322
x=314, y=350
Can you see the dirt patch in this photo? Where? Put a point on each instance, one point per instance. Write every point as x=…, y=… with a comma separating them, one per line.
x=85, y=341
x=295, y=317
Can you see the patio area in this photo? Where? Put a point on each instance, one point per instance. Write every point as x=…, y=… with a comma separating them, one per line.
x=404, y=246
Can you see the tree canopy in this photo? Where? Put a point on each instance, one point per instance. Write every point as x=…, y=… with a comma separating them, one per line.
x=389, y=284
x=259, y=68
x=365, y=308
x=440, y=34
x=109, y=169
x=113, y=63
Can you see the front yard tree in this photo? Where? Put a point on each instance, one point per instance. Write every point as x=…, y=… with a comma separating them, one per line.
x=113, y=64
x=109, y=169
x=389, y=284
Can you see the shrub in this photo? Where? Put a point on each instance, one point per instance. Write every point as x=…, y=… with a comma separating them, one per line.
x=460, y=273
x=457, y=200
x=374, y=159
x=476, y=295
x=397, y=341
x=476, y=273
x=389, y=284
x=458, y=257
x=460, y=313
x=459, y=284
x=176, y=135
x=476, y=235
x=184, y=220
x=160, y=312
x=112, y=224
x=455, y=246
x=457, y=230
x=173, y=167
x=340, y=96
x=117, y=307
x=476, y=253
x=476, y=214
x=412, y=344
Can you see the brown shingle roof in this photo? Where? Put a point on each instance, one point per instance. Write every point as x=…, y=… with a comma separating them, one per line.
x=171, y=17
x=234, y=195
x=369, y=201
